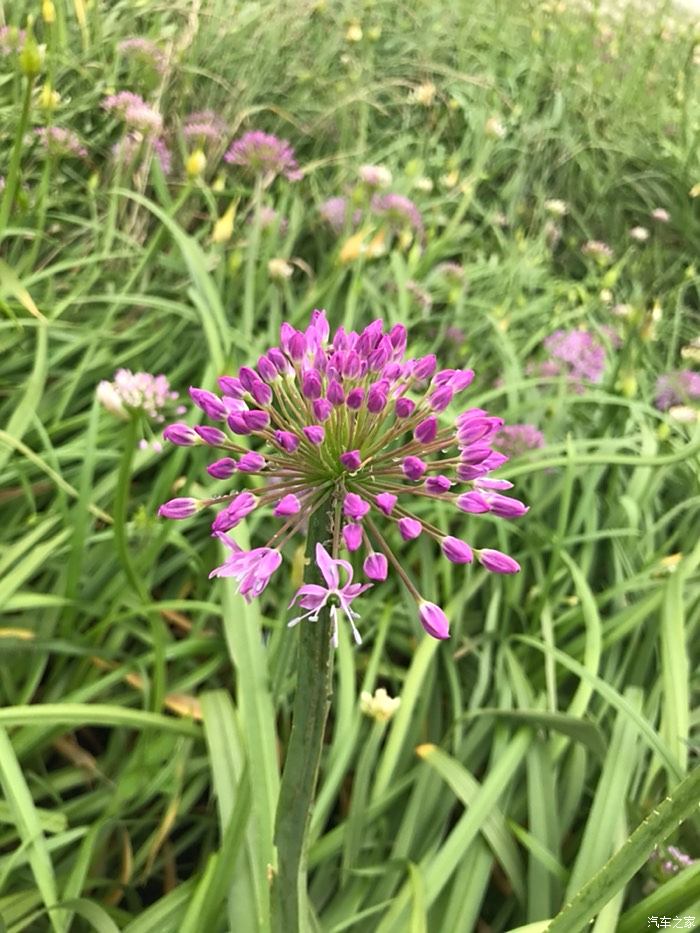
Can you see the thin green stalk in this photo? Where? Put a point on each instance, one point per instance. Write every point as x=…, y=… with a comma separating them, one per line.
x=251, y=265
x=301, y=767
x=12, y=180
x=121, y=505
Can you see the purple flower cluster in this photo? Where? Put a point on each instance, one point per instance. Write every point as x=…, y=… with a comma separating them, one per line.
x=145, y=50
x=398, y=210
x=576, y=355
x=134, y=111
x=349, y=425
x=677, y=388
x=60, y=141
x=670, y=860
x=265, y=155
x=513, y=440
x=204, y=125
x=337, y=214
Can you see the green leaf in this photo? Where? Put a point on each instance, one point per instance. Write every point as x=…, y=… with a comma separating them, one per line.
x=681, y=803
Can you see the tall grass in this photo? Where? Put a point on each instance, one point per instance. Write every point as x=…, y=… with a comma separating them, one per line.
x=145, y=709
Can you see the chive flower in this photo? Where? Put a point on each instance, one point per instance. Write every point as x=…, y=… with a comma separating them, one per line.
x=348, y=424
x=265, y=155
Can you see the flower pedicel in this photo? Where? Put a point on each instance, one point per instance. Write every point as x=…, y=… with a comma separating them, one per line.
x=351, y=426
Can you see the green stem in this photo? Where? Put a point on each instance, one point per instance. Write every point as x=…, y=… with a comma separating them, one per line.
x=301, y=767
x=12, y=180
x=251, y=265
x=121, y=505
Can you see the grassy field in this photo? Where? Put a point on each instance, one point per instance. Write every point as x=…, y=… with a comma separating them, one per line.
x=550, y=152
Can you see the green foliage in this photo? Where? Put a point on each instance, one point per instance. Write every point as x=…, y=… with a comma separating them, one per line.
x=540, y=754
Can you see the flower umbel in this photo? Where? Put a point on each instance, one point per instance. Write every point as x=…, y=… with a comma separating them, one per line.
x=264, y=154
x=345, y=423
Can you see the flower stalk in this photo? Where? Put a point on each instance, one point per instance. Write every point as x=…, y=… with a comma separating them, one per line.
x=302, y=763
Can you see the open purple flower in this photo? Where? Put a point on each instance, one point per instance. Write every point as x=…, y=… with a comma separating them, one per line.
x=313, y=597
x=386, y=443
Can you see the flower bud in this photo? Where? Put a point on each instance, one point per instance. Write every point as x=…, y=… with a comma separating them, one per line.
x=433, y=620
x=314, y=433
x=386, y=502
x=223, y=468
x=180, y=434
x=214, y=437
x=351, y=460
x=497, y=561
x=195, y=163
x=410, y=528
x=288, y=505
x=426, y=431
x=48, y=12
x=413, y=467
x=252, y=462
x=287, y=441
x=355, y=507
x=457, y=551
x=376, y=566
x=210, y=404
x=352, y=536
x=178, y=508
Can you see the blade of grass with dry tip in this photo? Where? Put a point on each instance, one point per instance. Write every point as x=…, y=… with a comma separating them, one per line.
x=28, y=824
x=97, y=714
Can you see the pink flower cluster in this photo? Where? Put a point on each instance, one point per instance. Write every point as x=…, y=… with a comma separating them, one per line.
x=60, y=141
x=134, y=111
x=265, y=155
x=574, y=354
x=204, y=125
x=350, y=425
x=144, y=49
x=513, y=440
x=138, y=392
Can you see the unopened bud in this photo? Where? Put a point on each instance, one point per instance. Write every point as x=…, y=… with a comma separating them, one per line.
x=48, y=12
x=196, y=163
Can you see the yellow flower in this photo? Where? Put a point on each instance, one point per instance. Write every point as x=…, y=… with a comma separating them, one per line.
x=279, y=269
x=196, y=163
x=48, y=98
x=223, y=228
x=691, y=351
x=451, y=179
x=494, y=128
x=380, y=707
x=357, y=245
x=48, y=12
x=424, y=94
x=354, y=33
x=695, y=190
